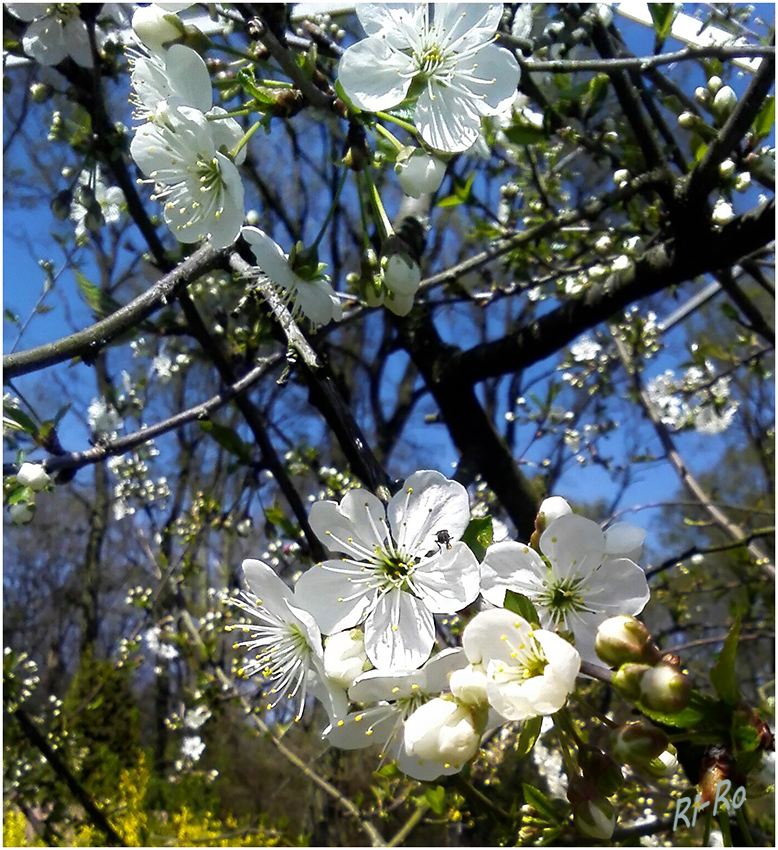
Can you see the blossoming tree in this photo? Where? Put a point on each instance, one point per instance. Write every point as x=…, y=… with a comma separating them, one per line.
x=383, y=322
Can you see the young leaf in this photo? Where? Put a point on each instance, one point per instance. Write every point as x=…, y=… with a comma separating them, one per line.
x=228, y=439
x=478, y=535
x=529, y=734
x=436, y=797
x=519, y=604
x=723, y=676
x=662, y=15
x=536, y=798
x=764, y=121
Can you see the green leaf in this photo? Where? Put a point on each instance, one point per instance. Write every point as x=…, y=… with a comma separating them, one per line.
x=21, y=493
x=100, y=302
x=536, y=798
x=765, y=120
x=521, y=605
x=436, y=797
x=10, y=316
x=529, y=734
x=388, y=771
x=449, y=201
x=729, y=311
x=478, y=536
x=61, y=412
x=662, y=15
x=723, y=676
x=19, y=418
x=525, y=134
x=702, y=712
x=228, y=439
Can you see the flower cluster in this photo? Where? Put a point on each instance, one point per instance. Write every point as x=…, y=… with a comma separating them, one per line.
x=699, y=399
x=187, y=148
x=377, y=670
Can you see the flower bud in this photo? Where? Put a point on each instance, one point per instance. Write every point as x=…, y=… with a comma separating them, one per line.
x=155, y=27
x=665, y=764
x=398, y=304
x=21, y=513
x=468, y=685
x=627, y=678
x=622, y=639
x=401, y=273
x=638, y=743
x=443, y=732
x=593, y=815
x=551, y=509
x=419, y=173
x=33, y=475
x=714, y=84
x=94, y=219
x=60, y=205
x=702, y=95
x=727, y=169
x=601, y=770
x=722, y=213
x=688, y=120
x=621, y=177
x=724, y=102
x=344, y=657
x=40, y=92
x=742, y=181
x=665, y=688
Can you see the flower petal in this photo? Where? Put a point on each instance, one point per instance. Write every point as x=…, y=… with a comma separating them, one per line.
x=399, y=632
x=624, y=540
x=439, y=668
x=28, y=11
x=374, y=726
x=397, y=23
x=491, y=78
x=263, y=581
x=335, y=595
x=574, y=545
x=511, y=566
x=427, y=504
x=463, y=26
x=356, y=526
x=226, y=224
x=489, y=635
x=270, y=258
x=447, y=119
x=374, y=75
x=44, y=40
x=189, y=78
x=449, y=580
x=77, y=44
x=316, y=300
x=377, y=685
x=619, y=586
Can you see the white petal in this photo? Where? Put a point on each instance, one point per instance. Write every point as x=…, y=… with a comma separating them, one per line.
x=340, y=533
x=511, y=566
x=399, y=632
x=447, y=119
x=28, y=11
x=624, y=540
x=270, y=258
x=563, y=659
x=189, y=78
x=394, y=22
x=265, y=584
x=440, y=666
x=417, y=768
x=427, y=504
x=491, y=77
x=398, y=304
x=374, y=726
x=315, y=299
x=334, y=599
x=44, y=40
x=304, y=620
x=224, y=229
x=448, y=581
x=77, y=44
x=619, y=586
x=332, y=697
x=377, y=685
x=466, y=25
x=489, y=633
x=227, y=133
x=574, y=545
x=374, y=75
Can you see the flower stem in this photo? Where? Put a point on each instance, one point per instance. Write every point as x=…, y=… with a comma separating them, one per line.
x=382, y=219
x=723, y=819
x=567, y=758
x=244, y=140
x=390, y=136
x=233, y=51
x=332, y=208
x=385, y=116
x=743, y=824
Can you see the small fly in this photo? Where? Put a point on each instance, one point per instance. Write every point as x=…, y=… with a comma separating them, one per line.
x=443, y=538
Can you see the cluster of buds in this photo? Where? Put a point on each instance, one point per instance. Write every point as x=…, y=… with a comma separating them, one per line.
x=641, y=674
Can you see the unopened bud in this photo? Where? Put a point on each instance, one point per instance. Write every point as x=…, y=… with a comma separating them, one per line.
x=621, y=177
x=593, y=815
x=724, y=102
x=727, y=169
x=21, y=513
x=688, y=120
x=60, y=204
x=702, y=95
x=442, y=732
x=665, y=688
x=419, y=172
x=742, y=181
x=714, y=84
x=722, y=212
x=638, y=743
x=32, y=475
x=40, y=92
x=665, y=764
x=601, y=770
x=622, y=639
x=468, y=685
x=627, y=680
x=401, y=273
x=155, y=27
x=344, y=657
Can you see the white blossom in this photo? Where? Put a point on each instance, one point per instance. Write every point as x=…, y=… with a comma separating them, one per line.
x=585, y=349
x=575, y=587
x=442, y=56
x=55, y=32
x=157, y=24
x=175, y=77
x=345, y=657
x=192, y=747
x=442, y=733
x=21, y=513
x=315, y=299
x=401, y=564
x=33, y=475
x=103, y=419
x=419, y=172
x=200, y=185
x=529, y=672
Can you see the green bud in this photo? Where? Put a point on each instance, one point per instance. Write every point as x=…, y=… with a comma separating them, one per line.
x=624, y=639
x=665, y=688
x=627, y=679
x=601, y=770
x=60, y=205
x=638, y=743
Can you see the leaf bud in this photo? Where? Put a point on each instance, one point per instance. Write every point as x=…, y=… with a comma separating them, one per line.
x=665, y=688
x=623, y=639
